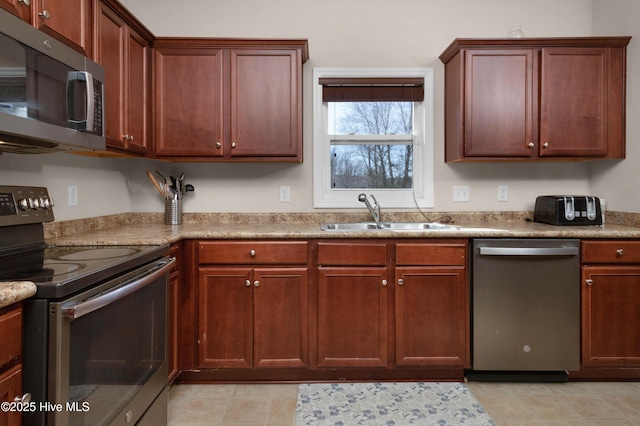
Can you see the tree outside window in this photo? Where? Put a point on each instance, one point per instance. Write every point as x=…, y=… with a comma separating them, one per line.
x=371, y=144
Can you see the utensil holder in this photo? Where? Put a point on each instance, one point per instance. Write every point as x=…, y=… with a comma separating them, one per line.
x=173, y=211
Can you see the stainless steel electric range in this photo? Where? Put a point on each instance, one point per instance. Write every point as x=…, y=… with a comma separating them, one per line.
x=94, y=336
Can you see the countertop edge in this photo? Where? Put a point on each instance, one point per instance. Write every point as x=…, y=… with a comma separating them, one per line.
x=15, y=291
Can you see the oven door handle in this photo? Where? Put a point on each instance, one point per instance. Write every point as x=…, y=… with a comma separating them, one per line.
x=84, y=308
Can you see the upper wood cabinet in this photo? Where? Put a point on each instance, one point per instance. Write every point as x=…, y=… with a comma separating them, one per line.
x=18, y=8
x=228, y=99
x=123, y=48
x=67, y=20
x=535, y=99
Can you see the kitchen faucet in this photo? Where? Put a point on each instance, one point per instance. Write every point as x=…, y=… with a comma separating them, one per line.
x=374, y=210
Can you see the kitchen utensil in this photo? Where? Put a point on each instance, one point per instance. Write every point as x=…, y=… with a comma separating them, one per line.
x=165, y=185
x=156, y=184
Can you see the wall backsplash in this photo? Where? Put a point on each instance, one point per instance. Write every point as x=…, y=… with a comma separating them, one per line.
x=108, y=186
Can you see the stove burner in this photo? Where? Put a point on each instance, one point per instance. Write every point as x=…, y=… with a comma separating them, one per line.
x=42, y=274
x=99, y=253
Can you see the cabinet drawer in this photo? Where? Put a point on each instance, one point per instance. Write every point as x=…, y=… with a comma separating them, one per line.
x=437, y=253
x=610, y=251
x=352, y=253
x=253, y=252
x=10, y=335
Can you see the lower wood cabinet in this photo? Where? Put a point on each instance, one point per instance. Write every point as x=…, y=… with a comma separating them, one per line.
x=610, y=303
x=368, y=318
x=253, y=316
x=352, y=316
x=432, y=304
x=328, y=309
x=10, y=361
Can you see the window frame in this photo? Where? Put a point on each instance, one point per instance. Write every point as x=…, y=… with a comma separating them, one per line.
x=422, y=193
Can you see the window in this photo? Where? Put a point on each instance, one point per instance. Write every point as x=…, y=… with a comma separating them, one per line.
x=373, y=133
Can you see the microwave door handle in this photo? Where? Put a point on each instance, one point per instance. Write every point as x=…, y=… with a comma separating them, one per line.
x=84, y=308
x=86, y=77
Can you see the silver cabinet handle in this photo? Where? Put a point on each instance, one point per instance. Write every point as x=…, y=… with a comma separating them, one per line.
x=589, y=281
x=233, y=145
x=384, y=282
x=247, y=283
x=400, y=281
x=531, y=145
x=256, y=283
x=620, y=252
x=546, y=144
x=218, y=145
x=252, y=253
x=44, y=14
x=26, y=2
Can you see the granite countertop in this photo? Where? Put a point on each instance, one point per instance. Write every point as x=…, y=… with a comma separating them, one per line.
x=149, y=229
x=150, y=232
x=15, y=291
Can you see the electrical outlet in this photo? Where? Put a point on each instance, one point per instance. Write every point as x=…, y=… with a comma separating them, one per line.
x=503, y=193
x=73, y=196
x=461, y=193
x=285, y=194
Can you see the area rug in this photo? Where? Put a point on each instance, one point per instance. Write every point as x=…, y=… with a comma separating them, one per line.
x=389, y=404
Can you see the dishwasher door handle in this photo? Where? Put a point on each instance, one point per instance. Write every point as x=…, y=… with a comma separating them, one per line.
x=529, y=251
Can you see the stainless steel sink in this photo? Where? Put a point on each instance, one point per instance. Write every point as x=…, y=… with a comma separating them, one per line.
x=404, y=226
x=418, y=226
x=350, y=226
x=387, y=226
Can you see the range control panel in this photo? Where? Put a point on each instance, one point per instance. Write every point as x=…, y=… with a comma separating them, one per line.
x=25, y=204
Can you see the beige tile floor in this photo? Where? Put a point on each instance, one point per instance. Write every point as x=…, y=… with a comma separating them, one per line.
x=521, y=404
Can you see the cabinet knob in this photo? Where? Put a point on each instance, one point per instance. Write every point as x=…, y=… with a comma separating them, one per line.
x=620, y=252
x=546, y=144
x=252, y=253
x=218, y=145
x=44, y=14
x=384, y=282
x=26, y=2
x=400, y=281
x=26, y=398
x=531, y=145
x=233, y=144
x=247, y=283
x=589, y=281
x=256, y=283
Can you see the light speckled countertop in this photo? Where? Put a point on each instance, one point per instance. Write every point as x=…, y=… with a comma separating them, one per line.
x=153, y=231
x=149, y=229
x=15, y=291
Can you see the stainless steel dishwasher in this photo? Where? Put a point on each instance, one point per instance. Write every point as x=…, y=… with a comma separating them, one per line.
x=526, y=305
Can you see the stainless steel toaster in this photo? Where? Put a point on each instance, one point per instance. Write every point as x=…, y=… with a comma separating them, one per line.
x=568, y=210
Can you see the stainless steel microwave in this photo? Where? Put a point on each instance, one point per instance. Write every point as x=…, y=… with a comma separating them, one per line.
x=51, y=97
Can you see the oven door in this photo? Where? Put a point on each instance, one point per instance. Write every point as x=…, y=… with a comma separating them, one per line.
x=107, y=349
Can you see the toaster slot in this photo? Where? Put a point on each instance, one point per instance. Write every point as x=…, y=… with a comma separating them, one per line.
x=569, y=208
x=591, y=208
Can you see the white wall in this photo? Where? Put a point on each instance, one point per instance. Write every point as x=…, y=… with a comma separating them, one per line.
x=354, y=33
x=622, y=17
